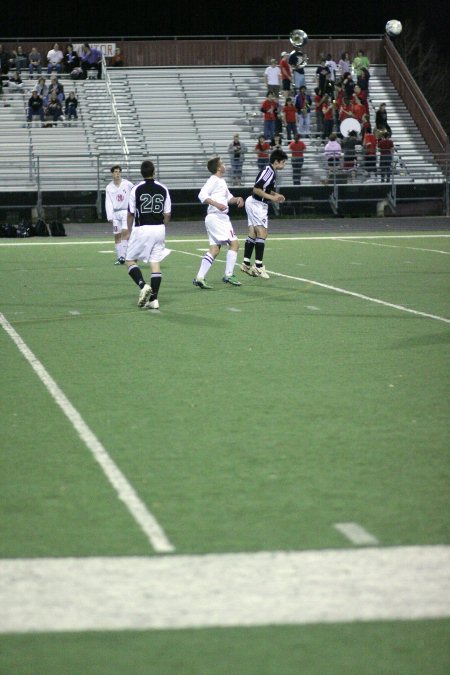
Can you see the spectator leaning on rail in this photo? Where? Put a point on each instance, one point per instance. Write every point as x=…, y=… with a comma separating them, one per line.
x=91, y=58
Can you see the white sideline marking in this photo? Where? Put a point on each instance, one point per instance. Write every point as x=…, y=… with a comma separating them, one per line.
x=361, y=296
x=409, y=248
x=356, y=534
x=123, y=488
x=203, y=239
x=256, y=589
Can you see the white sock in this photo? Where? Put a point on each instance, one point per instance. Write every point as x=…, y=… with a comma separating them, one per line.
x=206, y=263
x=124, y=245
x=118, y=248
x=230, y=262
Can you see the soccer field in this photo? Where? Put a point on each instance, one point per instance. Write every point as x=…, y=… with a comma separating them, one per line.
x=252, y=480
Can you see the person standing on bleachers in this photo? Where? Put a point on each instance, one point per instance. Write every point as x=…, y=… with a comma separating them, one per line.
x=54, y=58
x=91, y=58
x=236, y=151
x=34, y=59
x=297, y=148
x=272, y=79
x=286, y=75
x=116, y=205
x=262, y=149
x=269, y=109
x=386, y=150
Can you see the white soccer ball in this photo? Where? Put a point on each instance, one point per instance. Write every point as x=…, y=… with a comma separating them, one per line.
x=393, y=27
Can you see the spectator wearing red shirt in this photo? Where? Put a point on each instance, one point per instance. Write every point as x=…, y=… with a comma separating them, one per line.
x=318, y=102
x=358, y=109
x=290, y=118
x=345, y=110
x=297, y=148
x=262, y=149
x=370, y=152
x=328, y=116
x=386, y=148
x=286, y=75
x=269, y=108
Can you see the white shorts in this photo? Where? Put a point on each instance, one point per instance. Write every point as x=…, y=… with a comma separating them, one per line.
x=119, y=222
x=219, y=229
x=147, y=243
x=257, y=212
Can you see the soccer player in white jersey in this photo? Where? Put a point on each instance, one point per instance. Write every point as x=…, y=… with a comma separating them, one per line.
x=116, y=205
x=257, y=207
x=216, y=195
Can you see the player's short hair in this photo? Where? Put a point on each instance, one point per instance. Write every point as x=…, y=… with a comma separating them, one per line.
x=213, y=164
x=116, y=166
x=277, y=156
x=147, y=169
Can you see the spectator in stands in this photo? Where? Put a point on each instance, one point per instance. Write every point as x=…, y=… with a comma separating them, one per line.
x=297, y=148
x=349, y=85
x=276, y=143
x=54, y=108
x=236, y=151
x=290, y=118
x=18, y=60
x=54, y=59
x=35, y=106
x=71, y=59
x=338, y=100
x=42, y=90
x=333, y=154
x=34, y=59
x=262, y=149
x=363, y=80
x=71, y=106
x=286, y=75
x=360, y=61
x=91, y=58
x=346, y=110
x=272, y=79
x=344, y=65
x=318, y=103
x=381, y=122
x=269, y=108
x=370, y=152
x=332, y=66
x=303, y=105
x=56, y=87
x=296, y=61
x=4, y=61
x=322, y=77
x=386, y=149
x=358, y=109
x=15, y=81
x=117, y=61
x=349, y=144
x=327, y=116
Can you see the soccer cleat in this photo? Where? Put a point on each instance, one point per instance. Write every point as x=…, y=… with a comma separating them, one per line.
x=260, y=272
x=247, y=269
x=144, y=295
x=117, y=262
x=152, y=304
x=201, y=283
x=231, y=280
x=121, y=260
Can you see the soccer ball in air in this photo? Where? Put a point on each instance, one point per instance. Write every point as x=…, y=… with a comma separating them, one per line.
x=393, y=27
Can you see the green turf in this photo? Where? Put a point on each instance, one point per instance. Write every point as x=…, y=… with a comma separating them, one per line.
x=400, y=648
x=247, y=419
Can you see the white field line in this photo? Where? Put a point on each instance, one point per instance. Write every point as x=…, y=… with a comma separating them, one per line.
x=123, y=488
x=409, y=248
x=215, y=590
x=96, y=242
x=356, y=534
x=344, y=291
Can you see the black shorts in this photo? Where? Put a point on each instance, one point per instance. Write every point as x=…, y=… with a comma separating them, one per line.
x=286, y=85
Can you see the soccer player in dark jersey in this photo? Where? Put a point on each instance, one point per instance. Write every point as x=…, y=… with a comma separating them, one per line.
x=149, y=210
x=257, y=208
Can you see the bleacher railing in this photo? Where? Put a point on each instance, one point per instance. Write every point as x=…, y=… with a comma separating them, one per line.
x=81, y=179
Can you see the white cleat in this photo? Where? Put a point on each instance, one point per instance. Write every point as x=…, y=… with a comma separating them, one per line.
x=260, y=272
x=144, y=295
x=152, y=304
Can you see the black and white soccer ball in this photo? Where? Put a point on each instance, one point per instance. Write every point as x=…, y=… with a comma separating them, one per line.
x=394, y=27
